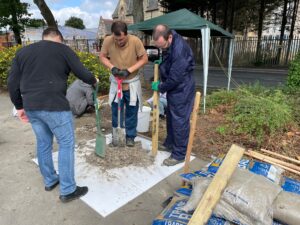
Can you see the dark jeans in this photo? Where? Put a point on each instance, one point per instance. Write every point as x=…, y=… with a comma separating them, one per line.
x=131, y=113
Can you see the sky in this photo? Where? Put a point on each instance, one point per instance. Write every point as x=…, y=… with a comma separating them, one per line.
x=88, y=10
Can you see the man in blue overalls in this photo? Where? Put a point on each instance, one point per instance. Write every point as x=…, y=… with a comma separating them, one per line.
x=176, y=74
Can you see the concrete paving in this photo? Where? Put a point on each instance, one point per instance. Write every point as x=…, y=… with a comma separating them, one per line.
x=23, y=200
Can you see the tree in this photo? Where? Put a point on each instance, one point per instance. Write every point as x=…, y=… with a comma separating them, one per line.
x=46, y=13
x=36, y=23
x=260, y=28
x=14, y=14
x=75, y=22
x=294, y=17
x=283, y=24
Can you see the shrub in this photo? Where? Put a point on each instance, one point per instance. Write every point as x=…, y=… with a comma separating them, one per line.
x=6, y=57
x=293, y=79
x=261, y=115
x=221, y=97
x=90, y=61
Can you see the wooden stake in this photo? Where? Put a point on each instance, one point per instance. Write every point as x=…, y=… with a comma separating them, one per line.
x=192, y=132
x=281, y=156
x=217, y=186
x=298, y=157
x=289, y=165
x=155, y=114
x=273, y=163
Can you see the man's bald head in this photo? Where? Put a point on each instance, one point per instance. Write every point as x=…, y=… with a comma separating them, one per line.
x=161, y=30
x=162, y=36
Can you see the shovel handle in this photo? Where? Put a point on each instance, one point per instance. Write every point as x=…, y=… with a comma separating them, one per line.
x=119, y=87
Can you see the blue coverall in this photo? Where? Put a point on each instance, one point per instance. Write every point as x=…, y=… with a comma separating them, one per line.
x=176, y=74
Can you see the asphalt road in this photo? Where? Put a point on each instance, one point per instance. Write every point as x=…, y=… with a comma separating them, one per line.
x=218, y=79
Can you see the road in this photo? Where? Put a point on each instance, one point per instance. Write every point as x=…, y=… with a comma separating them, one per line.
x=218, y=79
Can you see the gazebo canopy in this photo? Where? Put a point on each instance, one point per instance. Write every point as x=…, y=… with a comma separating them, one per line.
x=185, y=22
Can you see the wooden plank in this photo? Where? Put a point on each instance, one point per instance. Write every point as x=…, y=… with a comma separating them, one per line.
x=192, y=132
x=155, y=114
x=217, y=186
x=298, y=157
x=280, y=156
x=273, y=163
x=262, y=156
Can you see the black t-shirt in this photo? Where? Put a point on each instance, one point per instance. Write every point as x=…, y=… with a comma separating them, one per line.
x=39, y=73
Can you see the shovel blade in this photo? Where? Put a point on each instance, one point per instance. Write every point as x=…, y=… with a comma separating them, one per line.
x=121, y=137
x=100, y=145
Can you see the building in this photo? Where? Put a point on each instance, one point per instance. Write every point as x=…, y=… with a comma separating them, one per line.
x=6, y=40
x=124, y=10
x=104, y=27
x=82, y=40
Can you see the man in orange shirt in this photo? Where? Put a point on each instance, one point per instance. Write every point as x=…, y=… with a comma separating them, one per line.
x=124, y=55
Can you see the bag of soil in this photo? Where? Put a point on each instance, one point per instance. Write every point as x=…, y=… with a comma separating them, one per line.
x=286, y=208
x=247, y=199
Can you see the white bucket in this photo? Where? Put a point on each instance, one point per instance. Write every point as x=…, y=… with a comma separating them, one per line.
x=143, y=120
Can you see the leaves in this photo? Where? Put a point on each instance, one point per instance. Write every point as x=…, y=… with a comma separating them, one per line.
x=75, y=22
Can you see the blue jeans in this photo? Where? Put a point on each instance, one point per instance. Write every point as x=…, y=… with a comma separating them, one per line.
x=45, y=125
x=131, y=113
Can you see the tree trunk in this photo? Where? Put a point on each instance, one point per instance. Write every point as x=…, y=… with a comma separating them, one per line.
x=259, y=32
x=46, y=13
x=15, y=26
x=231, y=16
x=225, y=15
x=224, y=27
x=295, y=10
x=283, y=24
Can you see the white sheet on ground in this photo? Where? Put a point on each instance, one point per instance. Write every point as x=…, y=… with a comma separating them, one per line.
x=110, y=190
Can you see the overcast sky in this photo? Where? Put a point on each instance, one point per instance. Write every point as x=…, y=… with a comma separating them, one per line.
x=88, y=10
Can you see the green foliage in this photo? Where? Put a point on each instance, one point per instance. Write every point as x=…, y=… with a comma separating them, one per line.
x=36, y=23
x=75, y=22
x=293, y=80
x=6, y=57
x=256, y=111
x=223, y=130
x=261, y=115
x=221, y=97
x=92, y=63
x=15, y=15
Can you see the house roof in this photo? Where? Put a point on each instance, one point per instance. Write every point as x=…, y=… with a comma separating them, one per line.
x=35, y=34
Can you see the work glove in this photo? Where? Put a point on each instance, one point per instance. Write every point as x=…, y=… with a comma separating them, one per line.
x=115, y=71
x=155, y=85
x=159, y=61
x=123, y=73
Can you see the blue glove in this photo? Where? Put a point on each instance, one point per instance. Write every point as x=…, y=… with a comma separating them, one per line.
x=155, y=85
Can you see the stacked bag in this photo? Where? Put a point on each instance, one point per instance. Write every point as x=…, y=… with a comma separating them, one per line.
x=256, y=194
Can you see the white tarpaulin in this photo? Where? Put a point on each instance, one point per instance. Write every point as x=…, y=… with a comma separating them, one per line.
x=110, y=190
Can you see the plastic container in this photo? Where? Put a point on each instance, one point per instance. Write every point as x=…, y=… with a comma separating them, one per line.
x=143, y=120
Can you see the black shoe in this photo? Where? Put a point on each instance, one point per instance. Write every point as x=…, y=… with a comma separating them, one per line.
x=171, y=161
x=164, y=148
x=79, y=192
x=162, y=116
x=50, y=188
x=130, y=142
